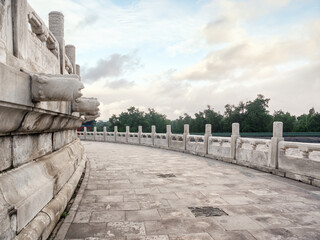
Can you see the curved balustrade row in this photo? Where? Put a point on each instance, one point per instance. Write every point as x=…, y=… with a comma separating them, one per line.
x=299, y=161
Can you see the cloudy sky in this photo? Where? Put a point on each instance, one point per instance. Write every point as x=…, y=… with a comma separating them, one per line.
x=178, y=56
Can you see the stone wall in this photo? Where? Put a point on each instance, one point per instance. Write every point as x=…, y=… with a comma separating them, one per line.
x=41, y=157
x=299, y=161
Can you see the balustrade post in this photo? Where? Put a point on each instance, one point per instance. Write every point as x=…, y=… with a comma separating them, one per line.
x=94, y=133
x=185, y=135
x=56, y=26
x=115, y=133
x=234, y=136
x=153, y=133
x=139, y=133
x=207, y=134
x=85, y=132
x=168, y=134
x=104, y=133
x=19, y=28
x=78, y=71
x=277, y=137
x=71, y=54
x=127, y=133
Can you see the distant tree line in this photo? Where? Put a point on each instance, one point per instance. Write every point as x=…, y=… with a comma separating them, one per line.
x=253, y=116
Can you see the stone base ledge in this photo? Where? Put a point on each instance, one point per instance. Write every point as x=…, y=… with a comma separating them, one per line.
x=62, y=232
x=18, y=119
x=300, y=178
x=46, y=183
x=22, y=149
x=45, y=221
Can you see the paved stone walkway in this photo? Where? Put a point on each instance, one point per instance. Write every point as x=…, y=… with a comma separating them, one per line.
x=142, y=193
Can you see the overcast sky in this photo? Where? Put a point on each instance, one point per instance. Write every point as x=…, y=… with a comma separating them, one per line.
x=179, y=56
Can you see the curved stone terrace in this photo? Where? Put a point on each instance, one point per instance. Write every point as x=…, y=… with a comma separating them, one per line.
x=140, y=193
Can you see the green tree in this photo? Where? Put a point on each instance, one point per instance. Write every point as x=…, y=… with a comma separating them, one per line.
x=157, y=119
x=256, y=116
x=213, y=118
x=134, y=118
x=233, y=114
x=114, y=121
x=289, y=121
x=253, y=116
x=314, y=122
x=199, y=123
x=100, y=124
x=308, y=122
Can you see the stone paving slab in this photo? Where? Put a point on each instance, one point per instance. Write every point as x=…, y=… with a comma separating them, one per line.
x=131, y=194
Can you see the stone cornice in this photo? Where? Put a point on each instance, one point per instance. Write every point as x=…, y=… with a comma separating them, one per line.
x=18, y=119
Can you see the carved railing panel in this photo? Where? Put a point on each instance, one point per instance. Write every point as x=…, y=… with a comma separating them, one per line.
x=300, y=158
x=195, y=144
x=254, y=152
x=219, y=147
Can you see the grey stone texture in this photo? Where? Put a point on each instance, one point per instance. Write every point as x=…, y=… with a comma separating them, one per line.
x=5, y=153
x=86, y=105
x=62, y=138
x=27, y=148
x=30, y=187
x=41, y=161
x=71, y=53
x=124, y=198
x=49, y=87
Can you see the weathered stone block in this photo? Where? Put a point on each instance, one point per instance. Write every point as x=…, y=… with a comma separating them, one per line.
x=36, y=121
x=298, y=177
x=26, y=148
x=34, y=229
x=3, y=52
x=7, y=225
x=30, y=187
x=10, y=118
x=59, y=123
x=279, y=172
x=25, y=189
x=27, y=209
x=63, y=163
x=316, y=182
x=6, y=232
x=17, y=86
x=62, y=138
x=5, y=153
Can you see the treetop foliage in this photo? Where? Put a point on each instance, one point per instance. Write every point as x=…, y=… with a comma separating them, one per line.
x=253, y=116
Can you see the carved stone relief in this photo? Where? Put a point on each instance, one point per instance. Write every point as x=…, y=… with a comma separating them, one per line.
x=87, y=106
x=46, y=87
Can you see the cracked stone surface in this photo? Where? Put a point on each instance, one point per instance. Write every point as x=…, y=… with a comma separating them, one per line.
x=125, y=199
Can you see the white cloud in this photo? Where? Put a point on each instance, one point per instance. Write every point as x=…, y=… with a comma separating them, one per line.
x=114, y=66
x=238, y=65
x=246, y=58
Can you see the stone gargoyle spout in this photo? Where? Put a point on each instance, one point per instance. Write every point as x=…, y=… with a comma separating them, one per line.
x=47, y=87
x=87, y=106
x=88, y=118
